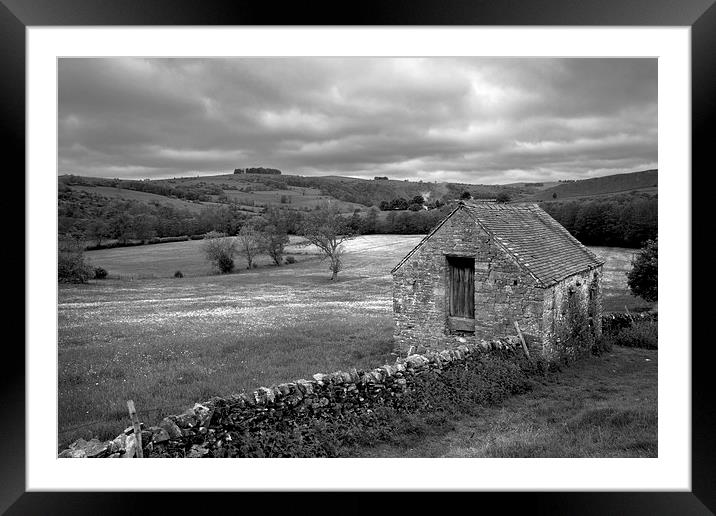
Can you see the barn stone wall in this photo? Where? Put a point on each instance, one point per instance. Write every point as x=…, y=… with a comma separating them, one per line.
x=578, y=296
x=504, y=293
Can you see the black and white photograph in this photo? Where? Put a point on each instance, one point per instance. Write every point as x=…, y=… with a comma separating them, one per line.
x=369, y=257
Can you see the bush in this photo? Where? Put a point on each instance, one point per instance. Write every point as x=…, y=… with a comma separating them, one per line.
x=643, y=334
x=196, y=237
x=178, y=274
x=71, y=265
x=290, y=259
x=612, y=323
x=100, y=273
x=225, y=264
x=183, y=238
x=220, y=250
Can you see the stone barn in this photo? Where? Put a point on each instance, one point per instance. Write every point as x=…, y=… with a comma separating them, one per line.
x=490, y=265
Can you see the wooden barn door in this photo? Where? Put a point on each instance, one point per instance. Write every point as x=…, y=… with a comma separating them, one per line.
x=461, y=293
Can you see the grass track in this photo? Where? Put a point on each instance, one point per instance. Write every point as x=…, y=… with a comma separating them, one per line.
x=598, y=407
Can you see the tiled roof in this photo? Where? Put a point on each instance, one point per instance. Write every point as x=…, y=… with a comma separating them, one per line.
x=535, y=240
x=539, y=243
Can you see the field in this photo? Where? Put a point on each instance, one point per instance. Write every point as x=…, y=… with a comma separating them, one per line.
x=135, y=195
x=616, y=293
x=167, y=342
x=644, y=181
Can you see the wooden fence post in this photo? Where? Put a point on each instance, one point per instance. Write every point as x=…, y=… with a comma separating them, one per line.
x=524, y=344
x=137, y=429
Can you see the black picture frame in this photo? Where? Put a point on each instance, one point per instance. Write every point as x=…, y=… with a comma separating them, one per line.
x=700, y=15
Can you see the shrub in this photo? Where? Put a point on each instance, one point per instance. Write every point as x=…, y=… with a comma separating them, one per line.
x=612, y=323
x=225, y=264
x=290, y=259
x=183, y=238
x=71, y=265
x=602, y=345
x=575, y=335
x=219, y=250
x=100, y=273
x=643, y=334
x=196, y=237
x=178, y=274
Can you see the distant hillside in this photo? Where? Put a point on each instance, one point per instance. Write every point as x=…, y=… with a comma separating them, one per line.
x=363, y=192
x=645, y=181
x=100, y=209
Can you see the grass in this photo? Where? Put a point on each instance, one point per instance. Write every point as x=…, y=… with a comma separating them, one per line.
x=167, y=343
x=598, y=407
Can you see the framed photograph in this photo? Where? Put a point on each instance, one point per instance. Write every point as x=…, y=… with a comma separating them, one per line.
x=406, y=251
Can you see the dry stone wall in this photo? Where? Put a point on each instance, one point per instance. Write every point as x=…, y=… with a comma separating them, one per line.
x=203, y=430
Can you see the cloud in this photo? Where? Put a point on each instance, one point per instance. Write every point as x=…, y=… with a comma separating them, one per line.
x=479, y=120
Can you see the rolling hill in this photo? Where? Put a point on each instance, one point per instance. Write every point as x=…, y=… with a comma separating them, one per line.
x=644, y=181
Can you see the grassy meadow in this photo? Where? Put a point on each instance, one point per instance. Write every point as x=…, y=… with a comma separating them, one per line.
x=168, y=342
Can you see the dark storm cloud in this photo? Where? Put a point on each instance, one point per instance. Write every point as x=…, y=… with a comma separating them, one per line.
x=473, y=120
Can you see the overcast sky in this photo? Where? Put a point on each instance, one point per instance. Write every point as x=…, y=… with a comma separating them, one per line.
x=473, y=120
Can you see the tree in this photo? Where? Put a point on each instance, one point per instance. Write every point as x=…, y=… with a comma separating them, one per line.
x=399, y=204
x=418, y=199
x=220, y=249
x=554, y=195
x=503, y=197
x=143, y=226
x=97, y=230
x=642, y=279
x=121, y=226
x=250, y=241
x=370, y=223
x=275, y=234
x=465, y=195
x=328, y=230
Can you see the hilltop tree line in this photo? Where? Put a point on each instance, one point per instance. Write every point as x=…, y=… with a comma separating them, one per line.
x=258, y=170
